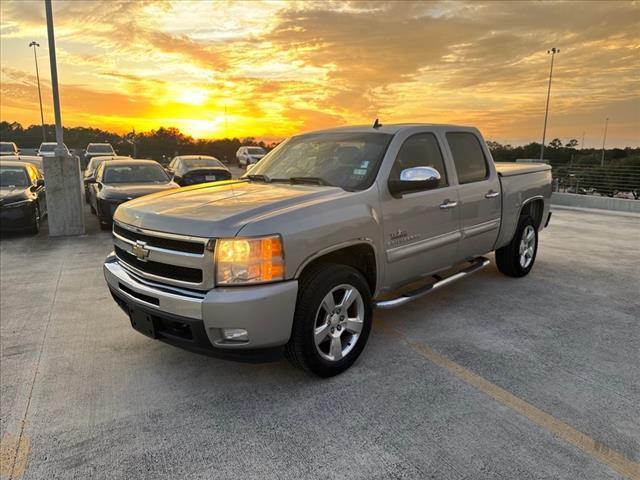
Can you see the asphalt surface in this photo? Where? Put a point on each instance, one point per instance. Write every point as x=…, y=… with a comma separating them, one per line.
x=491, y=377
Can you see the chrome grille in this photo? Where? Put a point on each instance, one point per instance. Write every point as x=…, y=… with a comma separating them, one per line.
x=180, y=260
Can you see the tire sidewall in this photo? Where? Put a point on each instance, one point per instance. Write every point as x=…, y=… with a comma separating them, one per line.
x=307, y=308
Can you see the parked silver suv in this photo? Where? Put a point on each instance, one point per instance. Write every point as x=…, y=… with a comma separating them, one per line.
x=294, y=256
x=246, y=156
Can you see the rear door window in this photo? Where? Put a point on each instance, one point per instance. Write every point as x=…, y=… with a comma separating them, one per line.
x=468, y=157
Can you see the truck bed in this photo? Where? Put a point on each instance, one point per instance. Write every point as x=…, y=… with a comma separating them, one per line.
x=509, y=169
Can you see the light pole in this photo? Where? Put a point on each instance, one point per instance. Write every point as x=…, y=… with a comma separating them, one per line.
x=35, y=58
x=553, y=52
x=604, y=139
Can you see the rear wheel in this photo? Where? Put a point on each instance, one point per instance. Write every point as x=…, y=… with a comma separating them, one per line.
x=332, y=320
x=516, y=259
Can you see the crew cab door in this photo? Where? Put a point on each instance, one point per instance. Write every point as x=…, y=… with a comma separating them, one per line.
x=479, y=193
x=421, y=228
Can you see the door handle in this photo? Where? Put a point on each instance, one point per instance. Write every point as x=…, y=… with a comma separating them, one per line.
x=448, y=204
x=492, y=194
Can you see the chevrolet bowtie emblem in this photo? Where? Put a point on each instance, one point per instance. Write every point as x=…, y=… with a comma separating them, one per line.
x=139, y=250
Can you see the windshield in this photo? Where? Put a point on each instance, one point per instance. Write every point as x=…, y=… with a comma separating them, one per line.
x=347, y=160
x=256, y=150
x=202, y=162
x=13, y=177
x=100, y=149
x=135, y=174
x=7, y=147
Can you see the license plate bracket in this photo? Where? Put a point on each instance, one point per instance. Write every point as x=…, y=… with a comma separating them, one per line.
x=143, y=323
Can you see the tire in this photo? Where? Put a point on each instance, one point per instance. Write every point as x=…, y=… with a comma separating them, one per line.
x=517, y=258
x=104, y=225
x=35, y=228
x=312, y=319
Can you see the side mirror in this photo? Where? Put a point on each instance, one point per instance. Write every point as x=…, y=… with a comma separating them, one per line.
x=413, y=180
x=40, y=182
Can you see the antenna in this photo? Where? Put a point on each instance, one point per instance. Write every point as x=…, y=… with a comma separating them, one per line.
x=377, y=124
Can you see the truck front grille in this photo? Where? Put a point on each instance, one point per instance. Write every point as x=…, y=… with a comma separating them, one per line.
x=176, y=260
x=184, y=274
x=169, y=243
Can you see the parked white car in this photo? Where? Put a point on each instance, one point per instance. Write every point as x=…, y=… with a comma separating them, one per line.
x=48, y=149
x=9, y=148
x=97, y=150
x=249, y=156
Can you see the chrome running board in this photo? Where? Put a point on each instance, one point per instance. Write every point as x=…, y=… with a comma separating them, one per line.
x=477, y=264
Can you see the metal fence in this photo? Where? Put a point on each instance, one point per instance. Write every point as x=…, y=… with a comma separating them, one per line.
x=609, y=181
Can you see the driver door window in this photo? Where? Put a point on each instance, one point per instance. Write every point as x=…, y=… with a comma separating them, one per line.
x=421, y=150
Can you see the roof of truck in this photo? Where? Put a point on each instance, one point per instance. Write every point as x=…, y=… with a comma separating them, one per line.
x=392, y=129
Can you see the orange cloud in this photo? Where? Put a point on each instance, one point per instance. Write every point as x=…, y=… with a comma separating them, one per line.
x=267, y=69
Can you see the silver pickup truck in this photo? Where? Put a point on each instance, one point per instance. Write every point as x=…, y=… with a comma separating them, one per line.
x=293, y=257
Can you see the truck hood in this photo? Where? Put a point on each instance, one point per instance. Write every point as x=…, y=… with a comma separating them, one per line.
x=218, y=210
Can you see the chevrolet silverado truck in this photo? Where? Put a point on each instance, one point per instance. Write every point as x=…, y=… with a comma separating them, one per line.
x=294, y=256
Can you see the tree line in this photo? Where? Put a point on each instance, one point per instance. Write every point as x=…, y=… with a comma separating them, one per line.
x=164, y=143
x=161, y=144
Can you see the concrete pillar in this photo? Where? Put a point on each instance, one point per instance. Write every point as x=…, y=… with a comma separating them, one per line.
x=65, y=195
x=63, y=182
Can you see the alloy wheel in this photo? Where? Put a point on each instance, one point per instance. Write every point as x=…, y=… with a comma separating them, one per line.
x=338, y=323
x=527, y=246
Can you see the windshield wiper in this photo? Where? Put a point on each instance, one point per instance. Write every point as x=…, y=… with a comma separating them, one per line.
x=259, y=178
x=310, y=180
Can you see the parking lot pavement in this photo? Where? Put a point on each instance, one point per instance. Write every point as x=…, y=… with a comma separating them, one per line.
x=491, y=377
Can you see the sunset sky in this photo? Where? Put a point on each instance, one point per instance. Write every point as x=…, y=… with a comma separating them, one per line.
x=284, y=67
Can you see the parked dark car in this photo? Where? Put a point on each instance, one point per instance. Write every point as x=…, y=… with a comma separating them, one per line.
x=118, y=181
x=194, y=169
x=90, y=172
x=22, y=197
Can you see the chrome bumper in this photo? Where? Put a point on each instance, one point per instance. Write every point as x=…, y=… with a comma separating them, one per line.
x=172, y=300
x=264, y=311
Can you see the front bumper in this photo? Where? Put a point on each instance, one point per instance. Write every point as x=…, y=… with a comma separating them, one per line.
x=107, y=208
x=194, y=320
x=16, y=218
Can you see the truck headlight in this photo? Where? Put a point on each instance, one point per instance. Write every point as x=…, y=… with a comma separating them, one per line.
x=249, y=260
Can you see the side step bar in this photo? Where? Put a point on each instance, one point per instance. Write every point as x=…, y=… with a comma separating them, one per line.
x=478, y=264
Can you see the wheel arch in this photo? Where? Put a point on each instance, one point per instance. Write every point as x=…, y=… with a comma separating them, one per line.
x=360, y=254
x=534, y=207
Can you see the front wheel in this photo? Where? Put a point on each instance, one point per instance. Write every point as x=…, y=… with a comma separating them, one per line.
x=35, y=225
x=332, y=320
x=516, y=259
